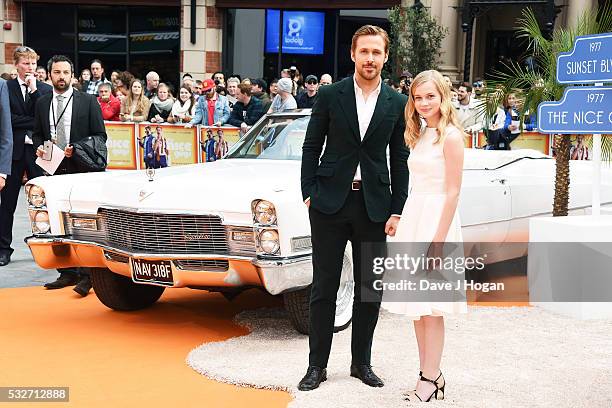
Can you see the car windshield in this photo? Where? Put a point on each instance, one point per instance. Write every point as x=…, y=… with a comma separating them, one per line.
x=275, y=138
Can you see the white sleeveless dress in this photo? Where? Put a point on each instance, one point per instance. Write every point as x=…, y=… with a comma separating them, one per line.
x=421, y=216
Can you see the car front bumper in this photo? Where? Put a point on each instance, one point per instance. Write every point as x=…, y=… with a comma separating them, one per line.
x=276, y=275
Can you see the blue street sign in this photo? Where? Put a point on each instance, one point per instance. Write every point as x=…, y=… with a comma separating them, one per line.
x=590, y=61
x=581, y=110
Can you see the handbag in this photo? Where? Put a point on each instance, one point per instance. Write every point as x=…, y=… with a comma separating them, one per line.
x=90, y=154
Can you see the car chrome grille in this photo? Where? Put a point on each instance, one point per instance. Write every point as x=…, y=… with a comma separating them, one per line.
x=114, y=257
x=157, y=233
x=209, y=265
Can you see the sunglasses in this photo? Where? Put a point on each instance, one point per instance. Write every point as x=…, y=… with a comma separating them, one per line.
x=311, y=82
x=23, y=48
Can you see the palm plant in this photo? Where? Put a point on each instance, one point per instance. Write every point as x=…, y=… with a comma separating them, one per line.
x=540, y=85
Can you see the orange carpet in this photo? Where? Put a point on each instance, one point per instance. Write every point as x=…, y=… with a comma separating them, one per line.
x=113, y=359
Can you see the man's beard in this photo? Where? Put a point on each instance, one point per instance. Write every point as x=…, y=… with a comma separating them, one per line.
x=368, y=75
x=60, y=88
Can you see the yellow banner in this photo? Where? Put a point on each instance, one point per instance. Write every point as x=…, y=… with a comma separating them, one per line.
x=526, y=140
x=531, y=140
x=178, y=144
x=230, y=134
x=121, y=145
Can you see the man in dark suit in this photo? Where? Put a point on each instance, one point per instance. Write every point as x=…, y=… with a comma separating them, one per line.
x=23, y=92
x=350, y=195
x=67, y=116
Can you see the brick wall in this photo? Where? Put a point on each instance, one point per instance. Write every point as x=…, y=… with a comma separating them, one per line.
x=213, y=17
x=9, y=48
x=12, y=11
x=213, y=61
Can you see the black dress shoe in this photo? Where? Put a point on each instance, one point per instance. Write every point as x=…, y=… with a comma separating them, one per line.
x=366, y=375
x=65, y=279
x=82, y=288
x=4, y=259
x=313, y=378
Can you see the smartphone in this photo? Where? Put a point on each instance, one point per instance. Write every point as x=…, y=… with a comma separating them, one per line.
x=48, y=148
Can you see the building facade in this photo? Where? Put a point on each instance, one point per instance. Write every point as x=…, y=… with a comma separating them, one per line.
x=237, y=36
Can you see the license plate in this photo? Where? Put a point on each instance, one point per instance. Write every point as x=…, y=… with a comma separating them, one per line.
x=155, y=272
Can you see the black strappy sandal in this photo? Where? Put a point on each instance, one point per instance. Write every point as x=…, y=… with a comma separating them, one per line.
x=438, y=393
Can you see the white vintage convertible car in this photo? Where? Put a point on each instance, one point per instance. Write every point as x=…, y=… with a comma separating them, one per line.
x=240, y=223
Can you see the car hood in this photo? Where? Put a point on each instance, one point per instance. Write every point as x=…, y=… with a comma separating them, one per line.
x=224, y=186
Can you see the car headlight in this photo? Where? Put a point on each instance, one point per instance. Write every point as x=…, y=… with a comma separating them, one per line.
x=40, y=222
x=264, y=212
x=36, y=196
x=268, y=242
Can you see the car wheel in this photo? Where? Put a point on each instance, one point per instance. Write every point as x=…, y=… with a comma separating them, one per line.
x=120, y=293
x=297, y=303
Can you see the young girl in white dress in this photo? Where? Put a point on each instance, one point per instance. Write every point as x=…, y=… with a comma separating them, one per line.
x=430, y=213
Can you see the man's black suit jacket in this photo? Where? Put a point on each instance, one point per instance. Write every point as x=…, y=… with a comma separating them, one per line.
x=334, y=122
x=22, y=113
x=86, y=121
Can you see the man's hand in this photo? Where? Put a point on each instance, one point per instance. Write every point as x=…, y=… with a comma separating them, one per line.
x=391, y=225
x=307, y=202
x=40, y=151
x=2, y=182
x=30, y=81
x=68, y=151
x=188, y=125
x=513, y=127
x=218, y=124
x=244, y=127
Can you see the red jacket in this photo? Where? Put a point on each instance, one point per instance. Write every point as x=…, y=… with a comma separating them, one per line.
x=110, y=109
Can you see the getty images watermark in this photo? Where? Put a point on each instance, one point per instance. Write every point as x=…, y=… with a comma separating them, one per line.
x=402, y=265
x=494, y=271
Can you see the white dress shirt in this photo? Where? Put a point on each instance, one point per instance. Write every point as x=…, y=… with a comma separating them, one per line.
x=67, y=114
x=23, y=87
x=365, y=111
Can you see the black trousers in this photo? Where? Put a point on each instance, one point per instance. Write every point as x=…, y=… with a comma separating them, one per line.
x=10, y=195
x=330, y=234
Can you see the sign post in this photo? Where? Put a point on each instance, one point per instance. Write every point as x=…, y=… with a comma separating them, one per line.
x=583, y=109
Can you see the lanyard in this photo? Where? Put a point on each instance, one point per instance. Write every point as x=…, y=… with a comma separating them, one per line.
x=61, y=114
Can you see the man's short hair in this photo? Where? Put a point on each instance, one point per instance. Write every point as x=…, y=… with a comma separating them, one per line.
x=245, y=89
x=369, y=29
x=198, y=82
x=105, y=85
x=234, y=80
x=96, y=61
x=150, y=75
x=59, y=58
x=41, y=67
x=260, y=82
x=187, y=75
x=466, y=85
x=24, y=52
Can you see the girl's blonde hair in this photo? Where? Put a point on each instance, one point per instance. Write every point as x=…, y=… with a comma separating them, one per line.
x=448, y=114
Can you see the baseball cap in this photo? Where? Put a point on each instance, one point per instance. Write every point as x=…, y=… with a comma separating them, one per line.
x=312, y=78
x=208, y=84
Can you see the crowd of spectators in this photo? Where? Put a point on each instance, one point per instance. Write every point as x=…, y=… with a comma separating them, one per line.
x=240, y=102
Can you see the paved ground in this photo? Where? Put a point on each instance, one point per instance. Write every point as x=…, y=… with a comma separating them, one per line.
x=23, y=271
